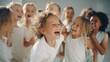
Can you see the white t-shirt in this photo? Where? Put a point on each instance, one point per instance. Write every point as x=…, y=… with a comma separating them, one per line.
x=17, y=38
x=68, y=26
x=74, y=49
x=4, y=50
x=27, y=50
x=42, y=52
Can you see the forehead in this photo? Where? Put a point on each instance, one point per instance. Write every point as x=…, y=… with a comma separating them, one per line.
x=30, y=7
x=78, y=21
x=94, y=17
x=53, y=19
x=17, y=7
x=69, y=10
x=53, y=6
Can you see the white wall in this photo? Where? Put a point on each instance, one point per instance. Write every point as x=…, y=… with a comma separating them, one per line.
x=78, y=5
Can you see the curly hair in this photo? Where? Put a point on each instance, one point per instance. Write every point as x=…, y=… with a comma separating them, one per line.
x=103, y=19
x=40, y=23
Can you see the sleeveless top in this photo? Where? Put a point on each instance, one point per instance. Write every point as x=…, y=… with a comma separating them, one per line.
x=100, y=37
x=74, y=49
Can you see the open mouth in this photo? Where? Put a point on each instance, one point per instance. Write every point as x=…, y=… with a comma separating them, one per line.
x=28, y=15
x=73, y=30
x=57, y=33
x=19, y=16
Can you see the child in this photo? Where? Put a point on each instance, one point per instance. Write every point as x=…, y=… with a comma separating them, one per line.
x=17, y=34
x=6, y=24
x=77, y=41
x=68, y=17
x=29, y=10
x=86, y=12
x=48, y=29
x=99, y=37
x=53, y=8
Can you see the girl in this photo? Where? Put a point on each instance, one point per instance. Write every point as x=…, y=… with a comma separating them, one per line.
x=77, y=42
x=29, y=10
x=68, y=17
x=17, y=35
x=53, y=8
x=48, y=29
x=6, y=24
x=86, y=12
x=99, y=37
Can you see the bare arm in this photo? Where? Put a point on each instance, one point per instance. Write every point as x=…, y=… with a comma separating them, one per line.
x=100, y=47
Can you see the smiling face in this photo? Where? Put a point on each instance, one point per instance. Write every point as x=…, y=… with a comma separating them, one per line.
x=29, y=11
x=17, y=9
x=76, y=28
x=96, y=24
x=69, y=14
x=52, y=28
x=52, y=8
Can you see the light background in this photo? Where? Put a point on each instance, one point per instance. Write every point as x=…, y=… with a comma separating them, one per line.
x=78, y=5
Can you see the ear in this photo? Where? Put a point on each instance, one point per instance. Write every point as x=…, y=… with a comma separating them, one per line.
x=42, y=30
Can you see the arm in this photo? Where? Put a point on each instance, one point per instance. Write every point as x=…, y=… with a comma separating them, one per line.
x=30, y=42
x=8, y=35
x=100, y=47
x=90, y=45
x=95, y=55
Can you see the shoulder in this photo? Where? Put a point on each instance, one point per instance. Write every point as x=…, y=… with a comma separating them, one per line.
x=37, y=46
x=105, y=37
x=89, y=43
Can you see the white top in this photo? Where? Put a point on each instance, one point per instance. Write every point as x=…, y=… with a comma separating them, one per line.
x=42, y=52
x=27, y=50
x=68, y=26
x=100, y=37
x=74, y=49
x=4, y=53
x=17, y=43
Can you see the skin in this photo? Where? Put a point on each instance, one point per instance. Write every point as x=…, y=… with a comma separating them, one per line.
x=101, y=47
x=29, y=12
x=52, y=25
x=76, y=28
x=53, y=9
x=18, y=11
x=76, y=31
x=69, y=15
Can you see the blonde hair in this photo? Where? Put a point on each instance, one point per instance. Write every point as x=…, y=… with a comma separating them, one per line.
x=86, y=26
x=86, y=11
x=65, y=9
x=40, y=23
x=29, y=4
x=11, y=4
x=53, y=3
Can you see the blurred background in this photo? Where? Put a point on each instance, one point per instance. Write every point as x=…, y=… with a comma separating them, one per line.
x=78, y=5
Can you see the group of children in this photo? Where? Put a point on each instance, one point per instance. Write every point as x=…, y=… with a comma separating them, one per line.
x=26, y=36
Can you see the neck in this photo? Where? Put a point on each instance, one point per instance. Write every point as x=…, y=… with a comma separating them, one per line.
x=75, y=36
x=15, y=24
x=27, y=23
x=69, y=21
x=96, y=31
x=50, y=42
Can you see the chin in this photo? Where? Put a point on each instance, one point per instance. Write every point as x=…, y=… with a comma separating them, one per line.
x=57, y=37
